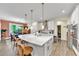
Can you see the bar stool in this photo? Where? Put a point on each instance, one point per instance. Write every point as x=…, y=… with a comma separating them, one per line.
x=17, y=41
x=24, y=50
x=27, y=51
x=19, y=50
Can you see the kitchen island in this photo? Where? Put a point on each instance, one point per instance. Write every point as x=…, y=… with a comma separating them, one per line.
x=42, y=45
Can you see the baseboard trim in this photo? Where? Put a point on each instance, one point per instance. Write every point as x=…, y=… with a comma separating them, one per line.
x=75, y=50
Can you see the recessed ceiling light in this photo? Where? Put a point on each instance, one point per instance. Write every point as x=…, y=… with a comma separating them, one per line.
x=63, y=11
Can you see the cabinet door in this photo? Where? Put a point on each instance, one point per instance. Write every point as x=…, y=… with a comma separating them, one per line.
x=37, y=50
x=48, y=47
x=75, y=43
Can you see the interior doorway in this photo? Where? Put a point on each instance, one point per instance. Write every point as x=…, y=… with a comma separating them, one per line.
x=59, y=32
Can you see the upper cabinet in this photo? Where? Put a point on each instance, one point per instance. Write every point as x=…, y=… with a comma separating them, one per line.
x=75, y=16
x=50, y=25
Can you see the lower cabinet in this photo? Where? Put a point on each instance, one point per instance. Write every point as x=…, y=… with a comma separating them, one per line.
x=48, y=47
x=44, y=50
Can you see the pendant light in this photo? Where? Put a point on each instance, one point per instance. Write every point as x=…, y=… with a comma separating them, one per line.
x=43, y=26
x=31, y=26
x=31, y=14
x=42, y=11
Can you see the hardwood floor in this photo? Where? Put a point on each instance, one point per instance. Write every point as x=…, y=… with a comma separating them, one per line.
x=61, y=49
x=6, y=48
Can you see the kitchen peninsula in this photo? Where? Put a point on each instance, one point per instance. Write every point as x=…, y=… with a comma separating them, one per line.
x=42, y=44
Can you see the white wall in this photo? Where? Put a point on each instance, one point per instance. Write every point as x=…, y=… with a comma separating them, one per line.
x=63, y=27
x=55, y=27
x=64, y=30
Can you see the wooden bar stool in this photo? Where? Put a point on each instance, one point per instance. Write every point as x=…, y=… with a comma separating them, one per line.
x=24, y=50
x=27, y=51
x=19, y=50
x=17, y=41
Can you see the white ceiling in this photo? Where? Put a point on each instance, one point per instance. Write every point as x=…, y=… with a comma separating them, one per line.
x=51, y=10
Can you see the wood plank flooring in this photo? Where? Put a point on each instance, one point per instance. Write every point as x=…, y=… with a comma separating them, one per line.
x=61, y=49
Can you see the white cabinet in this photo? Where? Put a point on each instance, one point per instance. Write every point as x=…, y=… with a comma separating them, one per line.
x=48, y=47
x=44, y=50
x=42, y=45
x=74, y=21
x=50, y=25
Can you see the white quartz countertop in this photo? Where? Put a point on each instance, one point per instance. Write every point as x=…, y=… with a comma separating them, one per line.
x=38, y=40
